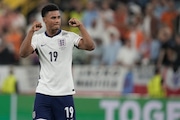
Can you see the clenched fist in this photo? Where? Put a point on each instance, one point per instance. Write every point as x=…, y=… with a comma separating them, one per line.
x=74, y=22
x=36, y=26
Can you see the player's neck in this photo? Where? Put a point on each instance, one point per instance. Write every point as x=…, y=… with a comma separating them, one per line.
x=52, y=33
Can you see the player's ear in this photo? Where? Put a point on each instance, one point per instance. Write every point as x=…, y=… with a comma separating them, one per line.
x=44, y=19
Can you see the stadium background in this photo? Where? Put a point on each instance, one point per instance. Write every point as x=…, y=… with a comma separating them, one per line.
x=106, y=90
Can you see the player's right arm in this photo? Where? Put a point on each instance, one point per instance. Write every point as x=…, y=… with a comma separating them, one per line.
x=26, y=49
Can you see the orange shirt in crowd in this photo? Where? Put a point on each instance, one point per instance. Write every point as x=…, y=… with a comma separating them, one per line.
x=168, y=18
x=137, y=39
x=120, y=23
x=14, y=39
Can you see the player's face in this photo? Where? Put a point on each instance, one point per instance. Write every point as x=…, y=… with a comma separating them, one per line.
x=52, y=20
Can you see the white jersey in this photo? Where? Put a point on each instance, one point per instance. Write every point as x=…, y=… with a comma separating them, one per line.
x=55, y=56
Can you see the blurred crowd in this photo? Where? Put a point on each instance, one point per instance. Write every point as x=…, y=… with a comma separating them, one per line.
x=126, y=32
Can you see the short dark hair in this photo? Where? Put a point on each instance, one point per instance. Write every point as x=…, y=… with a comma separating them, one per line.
x=47, y=8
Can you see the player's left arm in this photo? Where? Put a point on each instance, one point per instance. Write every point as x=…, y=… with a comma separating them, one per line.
x=87, y=42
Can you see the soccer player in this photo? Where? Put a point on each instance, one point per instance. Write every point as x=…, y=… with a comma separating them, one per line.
x=55, y=89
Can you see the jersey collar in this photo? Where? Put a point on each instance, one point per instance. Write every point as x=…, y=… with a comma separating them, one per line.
x=54, y=35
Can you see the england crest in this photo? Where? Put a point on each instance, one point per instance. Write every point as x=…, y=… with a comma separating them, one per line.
x=62, y=43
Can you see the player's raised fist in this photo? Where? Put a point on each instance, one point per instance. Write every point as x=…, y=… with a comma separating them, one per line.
x=36, y=26
x=74, y=22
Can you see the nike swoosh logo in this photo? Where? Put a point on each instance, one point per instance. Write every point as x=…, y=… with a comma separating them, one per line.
x=43, y=45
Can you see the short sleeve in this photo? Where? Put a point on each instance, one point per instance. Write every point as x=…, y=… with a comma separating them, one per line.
x=34, y=41
x=76, y=38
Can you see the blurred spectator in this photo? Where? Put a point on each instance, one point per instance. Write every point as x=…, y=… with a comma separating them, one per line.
x=149, y=50
x=96, y=29
x=95, y=57
x=10, y=84
x=110, y=50
x=127, y=55
x=155, y=87
x=177, y=23
x=19, y=20
x=128, y=82
x=14, y=38
x=159, y=7
x=136, y=35
x=167, y=54
x=169, y=16
x=134, y=9
x=150, y=24
x=6, y=53
x=145, y=50
x=121, y=18
x=3, y=9
x=106, y=12
x=108, y=29
x=99, y=26
x=91, y=13
x=177, y=51
x=142, y=3
x=155, y=51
